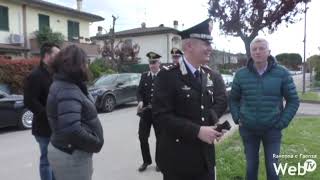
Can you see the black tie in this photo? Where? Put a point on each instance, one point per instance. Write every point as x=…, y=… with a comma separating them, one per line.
x=197, y=76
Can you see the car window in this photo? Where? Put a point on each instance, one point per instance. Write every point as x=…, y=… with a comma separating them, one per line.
x=135, y=79
x=123, y=78
x=106, y=80
x=3, y=94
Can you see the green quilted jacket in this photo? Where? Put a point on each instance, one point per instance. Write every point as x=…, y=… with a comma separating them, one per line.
x=257, y=100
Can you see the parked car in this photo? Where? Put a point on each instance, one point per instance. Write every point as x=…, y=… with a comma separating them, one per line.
x=13, y=111
x=112, y=90
x=228, y=79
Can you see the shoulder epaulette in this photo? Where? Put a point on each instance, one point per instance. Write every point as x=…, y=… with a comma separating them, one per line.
x=170, y=67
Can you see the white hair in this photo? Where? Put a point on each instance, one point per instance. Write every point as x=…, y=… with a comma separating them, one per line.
x=259, y=39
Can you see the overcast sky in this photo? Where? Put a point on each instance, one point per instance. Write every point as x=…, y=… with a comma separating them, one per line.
x=131, y=13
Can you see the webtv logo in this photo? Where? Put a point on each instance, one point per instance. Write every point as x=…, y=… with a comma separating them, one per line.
x=301, y=169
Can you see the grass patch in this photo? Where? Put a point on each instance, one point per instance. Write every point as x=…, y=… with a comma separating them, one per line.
x=315, y=84
x=301, y=137
x=309, y=96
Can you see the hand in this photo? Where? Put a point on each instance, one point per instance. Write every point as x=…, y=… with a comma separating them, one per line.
x=208, y=134
x=222, y=132
x=140, y=105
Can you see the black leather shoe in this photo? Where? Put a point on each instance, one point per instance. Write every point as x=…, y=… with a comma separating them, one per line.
x=157, y=169
x=143, y=167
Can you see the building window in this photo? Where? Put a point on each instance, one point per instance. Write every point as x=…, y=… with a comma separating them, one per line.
x=44, y=21
x=4, y=18
x=73, y=31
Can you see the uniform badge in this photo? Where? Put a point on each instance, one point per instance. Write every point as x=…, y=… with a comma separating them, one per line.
x=209, y=81
x=185, y=88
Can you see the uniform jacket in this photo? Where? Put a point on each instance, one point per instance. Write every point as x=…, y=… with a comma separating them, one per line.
x=73, y=117
x=257, y=101
x=181, y=105
x=36, y=89
x=146, y=88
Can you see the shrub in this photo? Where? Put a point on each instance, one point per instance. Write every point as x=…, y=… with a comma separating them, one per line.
x=45, y=34
x=98, y=68
x=13, y=72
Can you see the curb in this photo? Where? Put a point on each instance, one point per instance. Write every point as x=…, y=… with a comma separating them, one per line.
x=310, y=101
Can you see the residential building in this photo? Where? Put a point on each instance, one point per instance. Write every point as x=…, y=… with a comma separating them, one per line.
x=159, y=39
x=20, y=19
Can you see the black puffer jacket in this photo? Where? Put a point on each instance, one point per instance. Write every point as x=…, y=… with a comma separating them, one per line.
x=36, y=89
x=73, y=117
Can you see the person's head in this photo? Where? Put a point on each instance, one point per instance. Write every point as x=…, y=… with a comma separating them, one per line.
x=176, y=55
x=72, y=61
x=47, y=52
x=196, y=42
x=259, y=49
x=196, y=50
x=154, y=61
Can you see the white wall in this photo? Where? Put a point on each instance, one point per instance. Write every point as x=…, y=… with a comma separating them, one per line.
x=15, y=21
x=58, y=23
x=160, y=44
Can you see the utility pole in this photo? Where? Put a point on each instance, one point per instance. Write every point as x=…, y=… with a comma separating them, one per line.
x=304, y=49
x=113, y=37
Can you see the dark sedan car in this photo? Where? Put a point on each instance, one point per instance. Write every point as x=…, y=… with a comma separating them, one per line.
x=13, y=112
x=115, y=89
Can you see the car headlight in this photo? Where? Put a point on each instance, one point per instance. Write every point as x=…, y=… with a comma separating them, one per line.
x=97, y=92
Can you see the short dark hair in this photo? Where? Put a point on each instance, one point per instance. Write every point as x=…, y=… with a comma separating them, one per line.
x=72, y=61
x=47, y=48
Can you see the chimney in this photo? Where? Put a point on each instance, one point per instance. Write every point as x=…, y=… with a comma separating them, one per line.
x=99, y=30
x=143, y=25
x=175, y=24
x=79, y=5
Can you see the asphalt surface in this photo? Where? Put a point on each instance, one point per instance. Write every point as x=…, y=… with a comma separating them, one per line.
x=118, y=160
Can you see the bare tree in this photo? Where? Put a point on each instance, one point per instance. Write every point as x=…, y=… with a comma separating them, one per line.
x=123, y=53
x=245, y=18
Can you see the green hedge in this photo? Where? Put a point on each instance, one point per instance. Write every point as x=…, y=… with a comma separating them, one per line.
x=98, y=68
x=13, y=72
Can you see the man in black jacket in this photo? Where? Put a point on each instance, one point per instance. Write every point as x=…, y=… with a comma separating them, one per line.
x=144, y=96
x=36, y=89
x=188, y=101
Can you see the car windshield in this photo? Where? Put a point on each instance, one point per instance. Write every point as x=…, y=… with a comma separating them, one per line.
x=227, y=79
x=106, y=80
x=3, y=94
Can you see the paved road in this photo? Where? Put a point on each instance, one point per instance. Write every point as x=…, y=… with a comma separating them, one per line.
x=298, y=80
x=118, y=159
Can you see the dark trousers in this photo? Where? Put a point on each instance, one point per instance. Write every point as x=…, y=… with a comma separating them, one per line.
x=271, y=140
x=205, y=176
x=145, y=124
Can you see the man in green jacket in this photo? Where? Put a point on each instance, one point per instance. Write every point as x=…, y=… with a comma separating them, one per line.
x=256, y=104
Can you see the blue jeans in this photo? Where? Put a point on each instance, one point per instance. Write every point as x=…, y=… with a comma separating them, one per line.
x=44, y=167
x=271, y=140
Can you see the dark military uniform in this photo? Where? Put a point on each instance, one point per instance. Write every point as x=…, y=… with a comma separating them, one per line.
x=181, y=105
x=145, y=94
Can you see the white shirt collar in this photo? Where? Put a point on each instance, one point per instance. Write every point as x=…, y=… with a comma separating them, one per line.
x=190, y=66
x=153, y=74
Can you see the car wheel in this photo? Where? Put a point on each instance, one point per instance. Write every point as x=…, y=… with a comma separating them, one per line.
x=25, y=121
x=109, y=103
